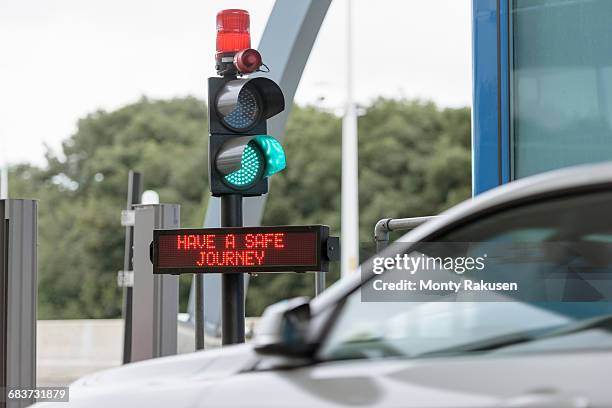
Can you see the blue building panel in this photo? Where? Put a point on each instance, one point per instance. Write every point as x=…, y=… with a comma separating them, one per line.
x=490, y=112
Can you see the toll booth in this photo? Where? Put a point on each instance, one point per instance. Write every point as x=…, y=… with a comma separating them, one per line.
x=542, y=87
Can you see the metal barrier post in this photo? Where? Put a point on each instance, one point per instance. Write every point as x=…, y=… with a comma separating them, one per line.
x=18, y=298
x=155, y=297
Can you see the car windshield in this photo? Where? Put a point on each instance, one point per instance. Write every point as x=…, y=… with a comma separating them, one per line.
x=574, y=239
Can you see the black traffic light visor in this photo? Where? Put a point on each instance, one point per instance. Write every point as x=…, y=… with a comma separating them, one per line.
x=249, y=100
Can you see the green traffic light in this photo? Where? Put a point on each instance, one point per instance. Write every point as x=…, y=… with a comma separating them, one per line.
x=273, y=152
x=262, y=157
x=251, y=168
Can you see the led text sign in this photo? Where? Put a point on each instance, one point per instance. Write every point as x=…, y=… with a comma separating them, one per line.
x=245, y=249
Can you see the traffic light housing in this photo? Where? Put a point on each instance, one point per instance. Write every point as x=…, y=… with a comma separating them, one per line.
x=241, y=155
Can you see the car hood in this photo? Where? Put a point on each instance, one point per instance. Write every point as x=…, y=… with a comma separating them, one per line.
x=558, y=380
x=204, y=365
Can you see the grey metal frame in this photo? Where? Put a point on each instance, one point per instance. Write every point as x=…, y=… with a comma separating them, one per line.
x=18, y=300
x=285, y=46
x=155, y=297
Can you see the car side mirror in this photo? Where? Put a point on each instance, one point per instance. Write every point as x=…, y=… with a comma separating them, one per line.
x=283, y=329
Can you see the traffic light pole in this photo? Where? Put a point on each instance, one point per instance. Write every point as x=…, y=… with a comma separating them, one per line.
x=199, y=311
x=232, y=283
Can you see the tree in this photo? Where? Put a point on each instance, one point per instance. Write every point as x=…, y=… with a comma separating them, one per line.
x=82, y=191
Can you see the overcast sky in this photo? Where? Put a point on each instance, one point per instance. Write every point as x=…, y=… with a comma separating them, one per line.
x=62, y=59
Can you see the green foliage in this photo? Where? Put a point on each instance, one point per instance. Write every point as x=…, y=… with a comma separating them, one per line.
x=414, y=159
x=82, y=192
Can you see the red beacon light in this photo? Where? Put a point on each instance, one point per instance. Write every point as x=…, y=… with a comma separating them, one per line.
x=233, y=31
x=234, y=50
x=247, y=61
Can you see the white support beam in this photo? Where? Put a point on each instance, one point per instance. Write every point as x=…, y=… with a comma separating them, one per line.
x=350, y=174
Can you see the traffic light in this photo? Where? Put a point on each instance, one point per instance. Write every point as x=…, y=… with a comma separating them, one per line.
x=241, y=155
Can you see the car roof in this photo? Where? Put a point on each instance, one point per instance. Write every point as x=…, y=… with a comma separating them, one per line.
x=581, y=178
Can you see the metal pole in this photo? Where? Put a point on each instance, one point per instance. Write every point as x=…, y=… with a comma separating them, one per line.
x=133, y=197
x=232, y=309
x=381, y=234
x=350, y=184
x=3, y=295
x=4, y=182
x=199, y=311
x=386, y=225
x=18, y=298
x=4, y=170
x=319, y=283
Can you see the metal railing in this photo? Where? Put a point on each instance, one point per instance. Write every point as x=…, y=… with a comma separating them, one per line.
x=386, y=225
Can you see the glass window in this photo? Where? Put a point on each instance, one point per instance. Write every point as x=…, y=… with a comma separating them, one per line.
x=561, y=83
x=414, y=329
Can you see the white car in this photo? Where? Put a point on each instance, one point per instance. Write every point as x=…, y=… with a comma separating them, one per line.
x=338, y=351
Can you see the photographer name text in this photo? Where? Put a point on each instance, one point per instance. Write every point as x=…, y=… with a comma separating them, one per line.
x=450, y=286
